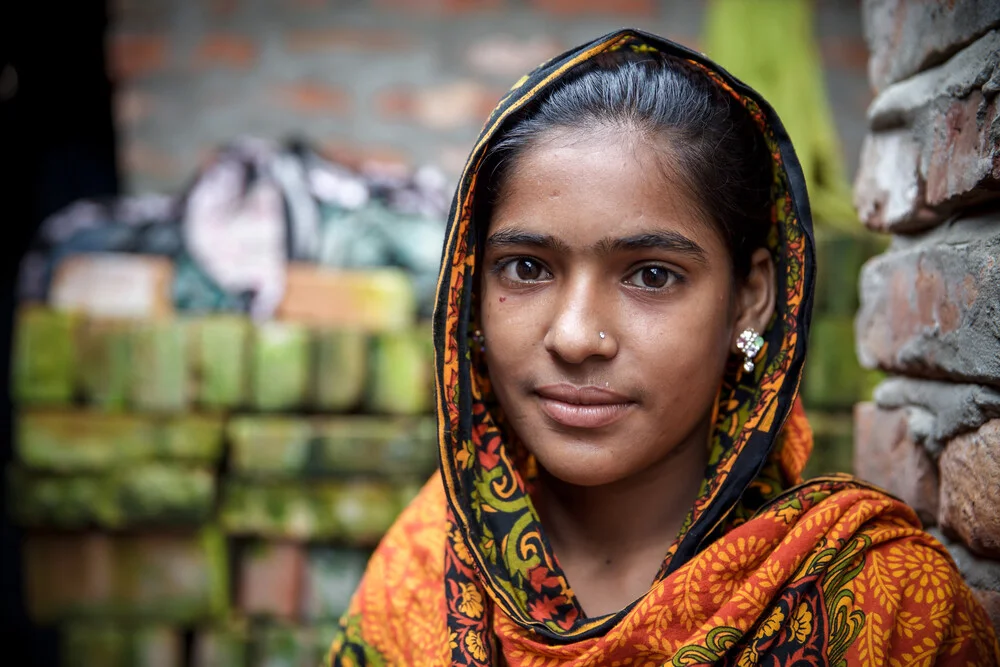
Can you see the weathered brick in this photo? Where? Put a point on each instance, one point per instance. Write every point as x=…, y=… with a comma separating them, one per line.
x=281, y=364
x=65, y=501
x=223, y=646
x=991, y=603
x=509, y=56
x=983, y=573
x=970, y=489
x=160, y=366
x=67, y=574
x=953, y=408
x=400, y=378
x=190, y=438
x=447, y=6
x=888, y=190
x=284, y=646
x=930, y=308
x=142, y=494
x=885, y=455
x=313, y=98
x=83, y=441
x=321, y=40
x=331, y=577
x=351, y=445
x=271, y=577
x=369, y=300
x=340, y=369
x=114, y=285
x=356, y=513
x=447, y=106
x=220, y=351
x=936, y=143
x=269, y=445
x=364, y=511
x=159, y=493
x=173, y=577
x=94, y=644
x=226, y=50
x=157, y=646
x=906, y=36
x=568, y=8
x=136, y=55
x=45, y=356
x=291, y=510
x=105, y=362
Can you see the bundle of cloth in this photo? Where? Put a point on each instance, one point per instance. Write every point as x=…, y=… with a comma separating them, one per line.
x=255, y=206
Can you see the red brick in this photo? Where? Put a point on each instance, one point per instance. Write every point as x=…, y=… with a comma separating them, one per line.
x=456, y=104
x=889, y=189
x=446, y=6
x=314, y=98
x=928, y=310
x=844, y=52
x=644, y=8
x=132, y=106
x=367, y=156
x=885, y=455
x=271, y=577
x=223, y=8
x=65, y=574
x=342, y=39
x=991, y=603
x=907, y=36
x=970, y=489
x=509, y=56
x=132, y=55
x=963, y=165
x=143, y=158
x=227, y=51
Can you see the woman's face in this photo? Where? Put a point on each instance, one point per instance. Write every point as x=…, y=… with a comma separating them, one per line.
x=607, y=309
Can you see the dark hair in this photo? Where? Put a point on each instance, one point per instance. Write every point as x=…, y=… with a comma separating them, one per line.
x=715, y=147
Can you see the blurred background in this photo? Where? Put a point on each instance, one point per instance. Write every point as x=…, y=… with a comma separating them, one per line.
x=225, y=220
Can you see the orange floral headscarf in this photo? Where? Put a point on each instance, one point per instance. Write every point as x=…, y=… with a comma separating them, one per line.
x=766, y=570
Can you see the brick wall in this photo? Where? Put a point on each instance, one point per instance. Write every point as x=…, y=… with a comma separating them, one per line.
x=399, y=80
x=930, y=305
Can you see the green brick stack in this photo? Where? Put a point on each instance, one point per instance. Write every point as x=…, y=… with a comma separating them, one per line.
x=206, y=490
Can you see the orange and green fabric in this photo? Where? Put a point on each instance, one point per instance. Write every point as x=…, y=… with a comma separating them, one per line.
x=767, y=570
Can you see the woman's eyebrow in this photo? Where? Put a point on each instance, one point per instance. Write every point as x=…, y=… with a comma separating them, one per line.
x=514, y=237
x=661, y=240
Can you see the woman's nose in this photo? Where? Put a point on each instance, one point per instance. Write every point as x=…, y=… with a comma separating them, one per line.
x=582, y=325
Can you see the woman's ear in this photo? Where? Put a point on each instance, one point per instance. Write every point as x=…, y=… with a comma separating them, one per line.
x=755, y=296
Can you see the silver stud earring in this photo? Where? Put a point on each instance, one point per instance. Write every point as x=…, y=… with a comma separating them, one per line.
x=749, y=343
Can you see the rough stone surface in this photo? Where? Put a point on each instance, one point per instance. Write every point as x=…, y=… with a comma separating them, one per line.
x=935, y=146
x=970, y=489
x=930, y=307
x=885, y=455
x=906, y=36
x=943, y=410
x=991, y=603
x=981, y=573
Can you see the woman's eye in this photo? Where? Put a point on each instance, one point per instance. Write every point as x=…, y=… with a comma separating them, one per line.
x=525, y=269
x=652, y=277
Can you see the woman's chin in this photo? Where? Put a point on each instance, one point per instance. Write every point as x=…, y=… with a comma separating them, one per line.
x=582, y=468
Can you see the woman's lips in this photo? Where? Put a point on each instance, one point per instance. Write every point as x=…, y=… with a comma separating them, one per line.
x=582, y=407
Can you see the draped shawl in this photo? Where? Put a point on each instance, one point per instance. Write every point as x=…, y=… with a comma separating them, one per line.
x=766, y=570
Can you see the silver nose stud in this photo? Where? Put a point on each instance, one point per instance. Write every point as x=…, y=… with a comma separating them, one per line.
x=602, y=335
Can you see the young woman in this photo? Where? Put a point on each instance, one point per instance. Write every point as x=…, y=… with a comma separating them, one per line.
x=620, y=330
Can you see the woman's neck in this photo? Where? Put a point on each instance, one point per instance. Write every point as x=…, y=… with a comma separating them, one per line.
x=610, y=540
